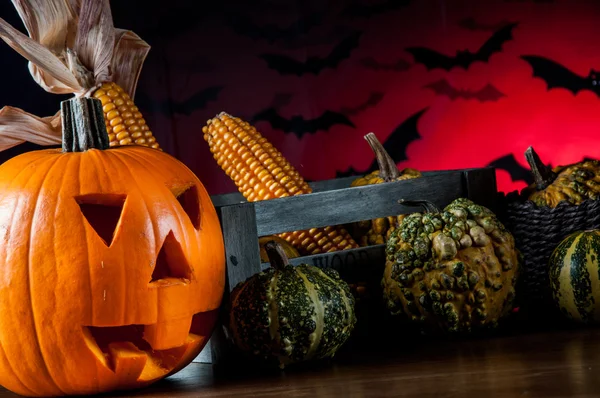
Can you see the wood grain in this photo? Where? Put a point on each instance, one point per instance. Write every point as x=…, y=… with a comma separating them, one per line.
x=347, y=205
x=543, y=364
x=242, y=252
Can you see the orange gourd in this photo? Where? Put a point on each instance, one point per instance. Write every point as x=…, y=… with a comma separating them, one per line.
x=112, y=263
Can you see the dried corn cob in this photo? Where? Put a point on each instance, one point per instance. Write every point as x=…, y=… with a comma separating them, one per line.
x=124, y=122
x=260, y=172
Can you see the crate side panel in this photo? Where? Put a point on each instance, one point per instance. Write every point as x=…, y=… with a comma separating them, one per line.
x=481, y=188
x=241, y=242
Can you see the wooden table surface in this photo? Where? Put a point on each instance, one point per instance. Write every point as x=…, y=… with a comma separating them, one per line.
x=541, y=364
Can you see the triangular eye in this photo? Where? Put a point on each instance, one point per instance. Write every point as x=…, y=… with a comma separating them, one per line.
x=189, y=201
x=171, y=261
x=102, y=212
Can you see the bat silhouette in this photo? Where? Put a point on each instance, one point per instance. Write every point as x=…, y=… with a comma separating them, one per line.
x=169, y=107
x=471, y=24
x=289, y=66
x=488, y=93
x=557, y=76
x=373, y=100
x=398, y=66
x=395, y=144
x=463, y=59
x=359, y=10
x=299, y=126
x=242, y=25
x=517, y=172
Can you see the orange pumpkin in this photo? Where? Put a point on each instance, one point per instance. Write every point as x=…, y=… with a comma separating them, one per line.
x=112, y=264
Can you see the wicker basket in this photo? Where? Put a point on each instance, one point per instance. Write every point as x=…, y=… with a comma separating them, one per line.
x=537, y=231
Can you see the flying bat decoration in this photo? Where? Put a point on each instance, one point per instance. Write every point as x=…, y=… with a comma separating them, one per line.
x=472, y=24
x=517, y=172
x=285, y=65
x=374, y=99
x=169, y=107
x=398, y=66
x=557, y=76
x=433, y=59
x=489, y=93
x=368, y=10
x=299, y=126
x=396, y=144
x=272, y=33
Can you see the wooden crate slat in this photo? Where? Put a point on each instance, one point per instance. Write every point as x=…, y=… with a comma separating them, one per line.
x=242, y=253
x=233, y=198
x=352, y=264
x=347, y=205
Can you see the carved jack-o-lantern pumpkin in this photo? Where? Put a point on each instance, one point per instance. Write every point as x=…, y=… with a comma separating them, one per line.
x=112, y=264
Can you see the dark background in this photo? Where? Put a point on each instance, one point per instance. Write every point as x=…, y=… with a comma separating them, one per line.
x=212, y=56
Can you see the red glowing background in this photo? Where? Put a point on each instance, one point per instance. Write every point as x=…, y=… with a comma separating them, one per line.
x=197, y=47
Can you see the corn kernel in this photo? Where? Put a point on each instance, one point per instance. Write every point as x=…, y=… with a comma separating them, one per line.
x=123, y=120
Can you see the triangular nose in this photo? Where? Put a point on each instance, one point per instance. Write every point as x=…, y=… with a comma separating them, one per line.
x=171, y=261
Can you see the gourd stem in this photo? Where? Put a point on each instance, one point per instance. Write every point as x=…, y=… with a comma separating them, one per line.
x=387, y=167
x=277, y=257
x=542, y=174
x=427, y=205
x=83, y=125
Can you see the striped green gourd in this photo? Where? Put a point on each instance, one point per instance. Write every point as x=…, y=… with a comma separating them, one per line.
x=575, y=276
x=291, y=314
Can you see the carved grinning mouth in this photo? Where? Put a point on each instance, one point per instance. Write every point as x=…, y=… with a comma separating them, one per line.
x=141, y=352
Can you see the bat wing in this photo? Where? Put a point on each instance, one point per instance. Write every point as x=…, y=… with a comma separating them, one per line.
x=373, y=100
x=197, y=101
x=442, y=87
x=403, y=135
x=327, y=120
x=284, y=65
x=275, y=120
x=494, y=43
x=340, y=52
x=517, y=172
x=555, y=75
x=488, y=94
x=149, y=105
x=431, y=58
x=299, y=126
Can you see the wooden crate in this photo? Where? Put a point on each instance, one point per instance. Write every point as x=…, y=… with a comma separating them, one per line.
x=332, y=203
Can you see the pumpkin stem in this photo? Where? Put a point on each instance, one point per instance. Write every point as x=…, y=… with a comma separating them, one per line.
x=277, y=257
x=542, y=174
x=387, y=167
x=83, y=125
x=425, y=204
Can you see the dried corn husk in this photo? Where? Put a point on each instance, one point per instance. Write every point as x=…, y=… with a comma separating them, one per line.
x=72, y=47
